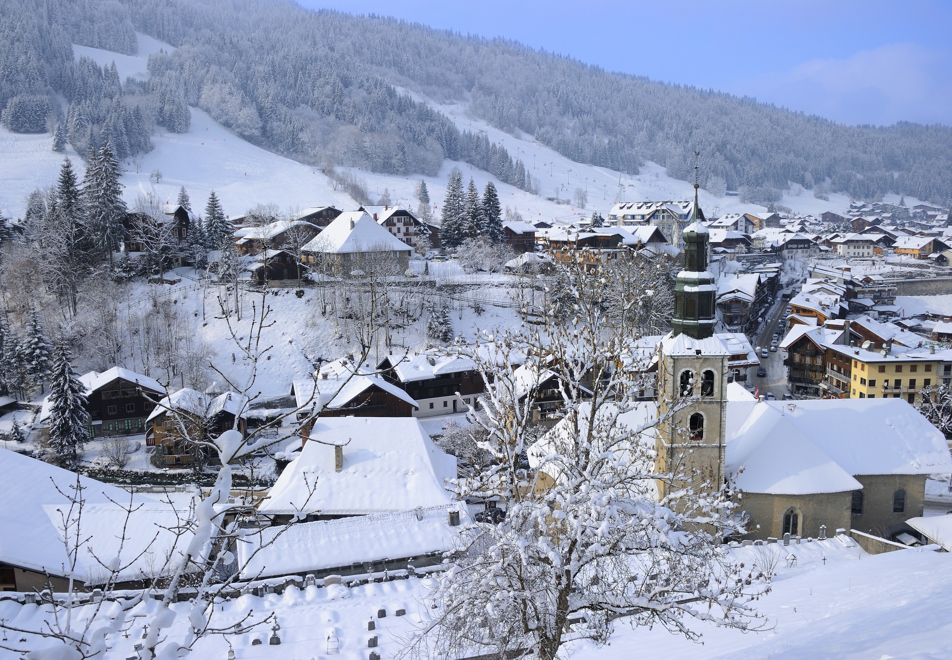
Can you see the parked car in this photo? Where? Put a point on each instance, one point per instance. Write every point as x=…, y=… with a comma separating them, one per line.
x=764, y=353
x=787, y=397
x=770, y=396
x=761, y=372
x=773, y=348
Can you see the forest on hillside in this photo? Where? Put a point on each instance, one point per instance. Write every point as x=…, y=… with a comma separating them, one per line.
x=326, y=88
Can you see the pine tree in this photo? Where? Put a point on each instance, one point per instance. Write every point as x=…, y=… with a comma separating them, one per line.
x=492, y=214
x=183, y=199
x=69, y=417
x=36, y=348
x=452, y=230
x=198, y=244
x=597, y=220
x=439, y=326
x=59, y=138
x=7, y=355
x=473, y=224
x=102, y=200
x=16, y=433
x=423, y=195
x=216, y=226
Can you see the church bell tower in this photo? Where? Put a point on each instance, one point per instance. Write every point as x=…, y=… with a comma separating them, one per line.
x=692, y=374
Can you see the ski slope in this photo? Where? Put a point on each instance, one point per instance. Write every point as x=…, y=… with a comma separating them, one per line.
x=211, y=157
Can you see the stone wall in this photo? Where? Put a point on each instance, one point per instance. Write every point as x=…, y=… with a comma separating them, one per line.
x=766, y=513
x=933, y=286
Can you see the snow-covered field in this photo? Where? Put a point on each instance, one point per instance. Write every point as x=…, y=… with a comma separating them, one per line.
x=836, y=602
x=912, y=305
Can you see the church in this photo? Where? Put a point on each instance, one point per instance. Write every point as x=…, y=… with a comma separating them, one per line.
x=795, y=466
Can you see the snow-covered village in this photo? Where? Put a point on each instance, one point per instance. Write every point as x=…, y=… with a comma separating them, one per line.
x=314, y=345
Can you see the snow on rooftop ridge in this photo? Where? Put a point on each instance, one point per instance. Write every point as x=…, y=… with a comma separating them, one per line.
x=389, y=464
x=355, y=231
x=682, y=344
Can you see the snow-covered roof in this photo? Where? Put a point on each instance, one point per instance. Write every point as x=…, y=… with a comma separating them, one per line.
x=35, y=493
x=269, y=231
x=821, y=336
x=938, y=529
x=337, y=390
x=424, y=366
x=316, y=546
x=740, y=403
x=943, y=327
x=888, y=331
x=520, y=227
x=94, y=380
x=389, y=464
x=818, y=446
x=739, y=348
x=682, y=344
x=745, y=285
x=201, y=404
x=550, y=453
x=364, y=235
x=912, y=242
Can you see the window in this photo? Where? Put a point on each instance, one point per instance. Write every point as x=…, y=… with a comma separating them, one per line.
x=130, y=407
x=862, y=395
x=862, y=381
x=791, y=522
x=872, y=382
x=707, y=383
x=444, y=404
x=911, y=397
x=110, y=410
x=856, y=507
x=899, y=501
x=871, y=396
x=928, y=368
x=898, y=383
x=862, y=366
x=927, y=382
x=898, y=368
x=912, y=383
x=882, y=368
x=913, y=368
x=687, y=383
x=431, y=405
x=696, y=427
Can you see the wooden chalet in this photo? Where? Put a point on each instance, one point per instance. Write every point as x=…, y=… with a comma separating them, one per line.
x=189, y=415
x=277, y=266
x=290, y=235
x=434, y=380
x=519, y=236
x=320, y=216
x=402, y=224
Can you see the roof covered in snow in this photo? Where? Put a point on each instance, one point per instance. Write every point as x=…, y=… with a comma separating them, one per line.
x=94, y=380
x=938, y=529
x=682, y=344
x=819, y=446
x=389, y=464
x=201, y=404
x=330, y=544
x=32, y=535
x=425, y=366
x=355, y=231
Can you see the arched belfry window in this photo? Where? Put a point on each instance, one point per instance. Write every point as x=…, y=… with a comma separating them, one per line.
x=707, y=383
x=792, y=522
x=899, y=501
x=696, y=427
x=687, y=383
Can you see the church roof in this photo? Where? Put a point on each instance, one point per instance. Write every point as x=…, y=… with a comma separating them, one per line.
x=682, y=344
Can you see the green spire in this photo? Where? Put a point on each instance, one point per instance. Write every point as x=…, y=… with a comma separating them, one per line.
x=694, y=290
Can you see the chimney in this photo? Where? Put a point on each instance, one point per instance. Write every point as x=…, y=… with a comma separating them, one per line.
x=351, y=224
x=454, y=519
x=323, y=375
x=338, y=458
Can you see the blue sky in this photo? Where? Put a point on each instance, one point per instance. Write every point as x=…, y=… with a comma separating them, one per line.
x=874, y=62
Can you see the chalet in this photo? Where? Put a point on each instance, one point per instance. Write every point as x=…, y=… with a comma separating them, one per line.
x=797, y=246
x=355, y=242
x=851, y=464
x=854, y=245
x=119, y=401
x=289, y=235
x=343, y=390
x=402, y=224
x=829, y=217
x=733, y=222
x=860, y=224
x=319, y=216
x=740, y=301
x=918, y=247
x=188, y=415
x=806, y=348
x=144, y=232
x=942, y=331
x=519, y=236
x=670, y=217
x=820, y=306
x=759, y=221
x=433, y=381
x=33, y=544
x=276, y=266
x=729, y=240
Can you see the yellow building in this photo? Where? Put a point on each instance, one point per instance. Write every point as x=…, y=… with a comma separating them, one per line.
x=888, y=374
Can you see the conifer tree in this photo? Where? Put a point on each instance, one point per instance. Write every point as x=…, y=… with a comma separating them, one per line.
x=473, y=224
x=452, y=231
x=423, y=195
x=69, y=417
x=16, y=433
x=216, y=226
x=439, y=326
x=36, y=349
x=59, y=138
x=65, y=240
x=597, y=220
x=102, y=200
x=198, y=244
x=492, y=214
x=183, y=199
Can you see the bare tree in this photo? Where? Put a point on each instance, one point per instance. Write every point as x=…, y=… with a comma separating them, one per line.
x=156, y=231
x=119, y=450
x=936, y=406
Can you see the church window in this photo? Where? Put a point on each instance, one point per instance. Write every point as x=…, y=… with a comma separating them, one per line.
x=687, y=383
x=856, y=506
x=791, y=522
x=707, y=383
x=899, y=501
x=696, y=427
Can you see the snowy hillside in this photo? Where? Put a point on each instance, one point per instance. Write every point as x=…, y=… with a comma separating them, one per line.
x=211, y=157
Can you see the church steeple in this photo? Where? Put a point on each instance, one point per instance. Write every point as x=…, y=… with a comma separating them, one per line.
x=694, y=290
